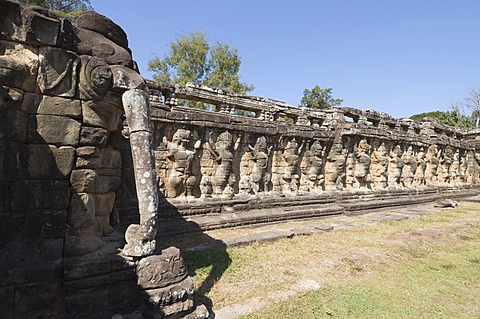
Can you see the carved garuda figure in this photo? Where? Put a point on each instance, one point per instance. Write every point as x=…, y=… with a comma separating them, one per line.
x=362, y=165
x=260, y=153
x=379, y=167
x=180, y=179
x=335, y=168
x=221, y=152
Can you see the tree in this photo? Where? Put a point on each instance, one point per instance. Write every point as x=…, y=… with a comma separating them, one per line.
x=192, y=59
x=319, y=98
x=452, y=118
x=471, y=103
x=65, y=8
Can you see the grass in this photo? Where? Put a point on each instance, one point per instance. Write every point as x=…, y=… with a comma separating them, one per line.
x=423, y=267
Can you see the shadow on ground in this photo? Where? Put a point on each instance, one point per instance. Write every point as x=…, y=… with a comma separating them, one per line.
x=205, y=257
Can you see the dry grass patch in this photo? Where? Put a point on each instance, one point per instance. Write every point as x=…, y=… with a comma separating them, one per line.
x=426, y=267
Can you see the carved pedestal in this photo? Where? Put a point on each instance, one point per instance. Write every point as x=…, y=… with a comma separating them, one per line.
x=168, y=290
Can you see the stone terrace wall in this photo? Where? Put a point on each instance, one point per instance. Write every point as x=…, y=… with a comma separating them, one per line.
x=66, y=169
x=60, y=165
x=216, y=162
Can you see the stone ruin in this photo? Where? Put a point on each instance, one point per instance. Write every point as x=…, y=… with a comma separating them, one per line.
x=98, y=164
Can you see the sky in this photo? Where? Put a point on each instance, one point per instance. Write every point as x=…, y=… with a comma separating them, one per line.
x=399, y=57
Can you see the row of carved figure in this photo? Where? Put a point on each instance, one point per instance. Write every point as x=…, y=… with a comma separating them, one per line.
x=227, y=166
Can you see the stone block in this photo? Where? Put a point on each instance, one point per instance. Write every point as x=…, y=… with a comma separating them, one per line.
x=77, y=268
x=11, y=226
x=6, y=300
x=18, y=65
x=27, y=23
x=104, y=203
x=161, y=270
x=12, y=161
x=87, y=180
x=39, y=296
x=99, y=114
x=86, y=283
x=31, y=260
x=102, y=226
x=94, y=21
x=96, y=157
x=30, y=102
x=52, y=129
x=167, y=301
x=10, y=19
x=95, y=78
x=5, y=198
x=82, y=210
x=10, y=98
x=45, y=194
x=54, y=223
x=104, y=301
x=14, y=126
x=33, y=225
x=113, y=97
x=95, y=44
x=51, y=105
x=49, y=162
x=81, y=245
x=57, y=72
x=40, y=29
x=93, y=136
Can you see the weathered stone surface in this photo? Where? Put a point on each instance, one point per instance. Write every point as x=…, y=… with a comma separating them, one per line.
x=14, y=126
x=163, y=302
x=102, y=226
x=113, y=97
x=104, y=115
x=31, y=260
x=137, y=110
x=54, y=223
x=80, y=245
x=96, y=157
x=6, y=301
x=51, y=105
x=12, y=161
x=95, y=78
x=126, y=78
x=161, y=270
x=10, y=98
x=5, y=197
x=12, y=226
x=58, y=71
x=140, y=238
x=18, y=65
x=52, y=129
x=93, y=136
x=95, y=44
x=94, y=21
x=48, y=161
x=39, y=296
x=103, y=203
x=28, y=23
x=87, y=180
x=10, y=19
x=46, y=194
x=146, y=184
x=81, y=211
x=104, y=301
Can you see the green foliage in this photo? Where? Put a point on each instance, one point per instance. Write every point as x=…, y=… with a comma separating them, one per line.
x=69, y=9
x=192, y=59
x=319, y=98
x=452, y=118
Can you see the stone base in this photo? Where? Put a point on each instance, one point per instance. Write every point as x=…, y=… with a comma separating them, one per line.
x=167, y=290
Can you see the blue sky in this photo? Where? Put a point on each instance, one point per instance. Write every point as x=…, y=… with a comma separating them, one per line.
x=399, y=57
